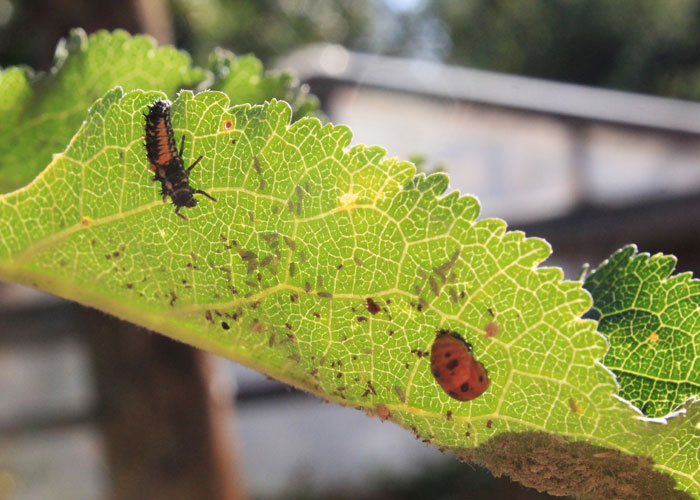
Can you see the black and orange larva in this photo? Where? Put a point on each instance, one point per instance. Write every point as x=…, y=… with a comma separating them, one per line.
x=165, y=160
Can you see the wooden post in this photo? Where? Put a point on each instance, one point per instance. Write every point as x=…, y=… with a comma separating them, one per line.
x=165, y=426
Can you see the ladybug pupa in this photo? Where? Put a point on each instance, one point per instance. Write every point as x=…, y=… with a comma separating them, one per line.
x=454, y=367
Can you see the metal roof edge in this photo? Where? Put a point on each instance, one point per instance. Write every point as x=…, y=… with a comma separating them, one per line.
x=498, y=89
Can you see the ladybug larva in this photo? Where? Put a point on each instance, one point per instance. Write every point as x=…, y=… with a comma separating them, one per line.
x=166, y=161
x=453, y=365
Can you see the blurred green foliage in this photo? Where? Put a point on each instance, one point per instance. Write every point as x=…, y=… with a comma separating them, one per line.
x=649, y=46
x=267, y=28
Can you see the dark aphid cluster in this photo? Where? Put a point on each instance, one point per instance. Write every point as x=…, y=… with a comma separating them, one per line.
x=165, y=160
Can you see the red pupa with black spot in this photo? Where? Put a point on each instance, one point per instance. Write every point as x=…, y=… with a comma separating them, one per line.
x=166, y=162
x=453, y=365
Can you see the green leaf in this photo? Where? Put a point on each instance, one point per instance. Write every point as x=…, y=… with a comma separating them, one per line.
x=41, y=114
x=652, y=320
x=277, y=273
x=243, y=80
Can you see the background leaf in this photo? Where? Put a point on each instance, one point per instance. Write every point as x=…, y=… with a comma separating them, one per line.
x=41, y=113
x=243, y=80
x=277, y=273
x=652, y=320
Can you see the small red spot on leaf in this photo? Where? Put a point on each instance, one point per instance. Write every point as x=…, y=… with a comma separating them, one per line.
x=491, y=330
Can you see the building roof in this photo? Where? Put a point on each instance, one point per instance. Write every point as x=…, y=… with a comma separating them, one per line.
x=528, y=94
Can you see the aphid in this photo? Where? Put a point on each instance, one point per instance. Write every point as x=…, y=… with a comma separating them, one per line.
x=491, y=330
x=165, y=160
x=383, y=411
x=453, y=365
x=372, y=306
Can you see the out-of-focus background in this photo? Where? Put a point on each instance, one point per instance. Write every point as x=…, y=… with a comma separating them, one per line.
x=573, y=120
